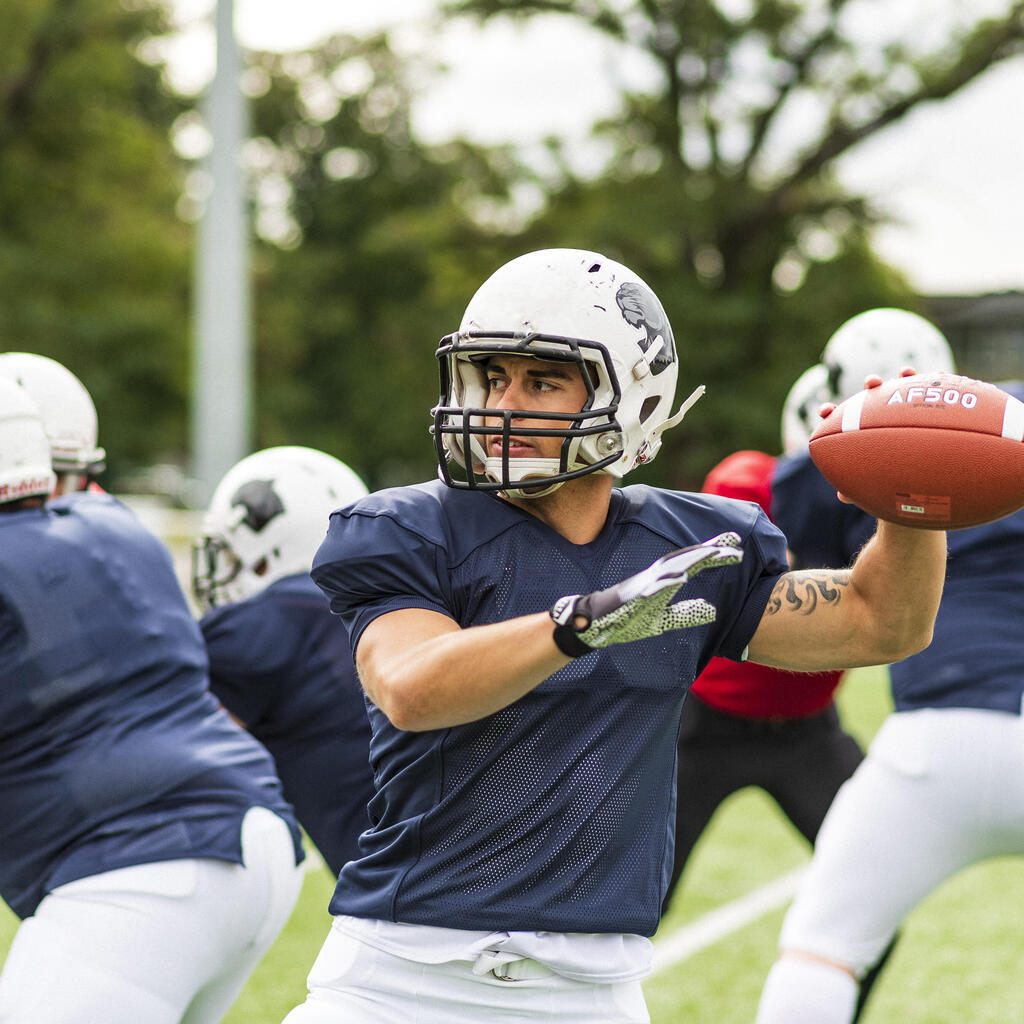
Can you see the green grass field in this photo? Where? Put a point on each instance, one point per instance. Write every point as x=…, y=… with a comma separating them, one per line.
x=959, y=959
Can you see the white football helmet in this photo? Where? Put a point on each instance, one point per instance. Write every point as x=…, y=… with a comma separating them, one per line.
x=67, y=408
x=800, y=411
x=266, y=520
x=25, y=470
x=882, y=341
x=565, y=305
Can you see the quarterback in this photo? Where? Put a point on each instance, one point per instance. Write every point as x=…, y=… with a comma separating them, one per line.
x=526, y=632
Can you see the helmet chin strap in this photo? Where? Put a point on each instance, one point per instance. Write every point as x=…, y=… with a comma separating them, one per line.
x=683, y=410
x=529, y=472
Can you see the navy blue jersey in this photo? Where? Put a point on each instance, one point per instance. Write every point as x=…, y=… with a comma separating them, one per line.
x=823, y=532
x=280, y=662
x=976, y=657
x=553, y=814
x=112, y=750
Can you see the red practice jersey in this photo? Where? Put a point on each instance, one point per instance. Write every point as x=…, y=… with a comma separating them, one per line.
x=743, y=688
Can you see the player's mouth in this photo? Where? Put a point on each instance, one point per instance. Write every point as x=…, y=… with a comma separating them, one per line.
x=517, y=447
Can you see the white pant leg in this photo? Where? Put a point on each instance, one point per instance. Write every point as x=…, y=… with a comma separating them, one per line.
x=353, y=983
x=807, y=992
x=939, y=790
x=162, y=943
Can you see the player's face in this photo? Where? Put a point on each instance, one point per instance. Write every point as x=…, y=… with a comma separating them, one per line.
x=521, y=382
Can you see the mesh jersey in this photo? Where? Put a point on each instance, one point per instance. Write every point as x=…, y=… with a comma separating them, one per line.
x=112, y=750
x=976, y=657
x=554, y=813
x=280, y=662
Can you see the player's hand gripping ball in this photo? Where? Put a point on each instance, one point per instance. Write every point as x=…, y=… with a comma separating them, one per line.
x=937, y=451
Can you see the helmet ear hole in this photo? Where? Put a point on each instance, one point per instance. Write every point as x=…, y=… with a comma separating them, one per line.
x=647, y=409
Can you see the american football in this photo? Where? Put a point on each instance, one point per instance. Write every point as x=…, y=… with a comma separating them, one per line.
x=937, y=451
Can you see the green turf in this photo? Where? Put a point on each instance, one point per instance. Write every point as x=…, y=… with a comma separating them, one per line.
x=958, y=961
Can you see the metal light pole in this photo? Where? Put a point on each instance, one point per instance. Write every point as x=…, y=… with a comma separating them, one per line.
x=222, y=357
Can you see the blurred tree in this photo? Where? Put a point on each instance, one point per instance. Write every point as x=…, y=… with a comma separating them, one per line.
x=94, y=262
x=373, y=243
x=720, y=188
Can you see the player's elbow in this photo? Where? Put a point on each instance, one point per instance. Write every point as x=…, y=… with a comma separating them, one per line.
x=404, y=718
x=402, y=707
x=895, y=645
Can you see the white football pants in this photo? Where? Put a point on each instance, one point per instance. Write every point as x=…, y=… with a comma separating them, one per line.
x=353, y=983
x=940, y=789
x=158, y=943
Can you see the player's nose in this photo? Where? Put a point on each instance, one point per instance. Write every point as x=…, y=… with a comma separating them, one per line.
x=512, y=396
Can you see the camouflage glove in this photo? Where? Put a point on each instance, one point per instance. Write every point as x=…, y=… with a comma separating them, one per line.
x=640, y=606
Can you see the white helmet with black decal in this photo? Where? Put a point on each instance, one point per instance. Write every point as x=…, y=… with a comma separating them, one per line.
x=567, y=305
x=266, y=520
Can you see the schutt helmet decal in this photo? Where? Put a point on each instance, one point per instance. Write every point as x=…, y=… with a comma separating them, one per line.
x=640, y=308
x=260, y=502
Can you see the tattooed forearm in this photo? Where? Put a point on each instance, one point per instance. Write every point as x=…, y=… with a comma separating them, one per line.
x=803, y=591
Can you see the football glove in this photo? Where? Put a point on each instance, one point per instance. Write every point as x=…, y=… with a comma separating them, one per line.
x=641, y=606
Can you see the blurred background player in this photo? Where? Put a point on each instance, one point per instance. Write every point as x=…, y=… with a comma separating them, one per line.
x=745, y=724
x=144, y=838
x=68, y=413
x=942, y=786
x=880, y=342
x=280, y=662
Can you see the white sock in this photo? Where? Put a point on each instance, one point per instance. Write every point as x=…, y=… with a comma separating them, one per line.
x=801, y=991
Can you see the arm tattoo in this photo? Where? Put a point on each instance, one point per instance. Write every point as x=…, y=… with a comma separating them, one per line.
x=802, y=592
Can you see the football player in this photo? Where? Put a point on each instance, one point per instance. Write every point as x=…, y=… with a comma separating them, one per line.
x=144, y=838
x=279, y=660
x=69, y=417
x=941, y=787
x=746, y=724
x=526, y=632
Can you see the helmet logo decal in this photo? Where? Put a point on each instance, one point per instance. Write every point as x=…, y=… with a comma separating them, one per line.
x=260, y=501
x=640, y=308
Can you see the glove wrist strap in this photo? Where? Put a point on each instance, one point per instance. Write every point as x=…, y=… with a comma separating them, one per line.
x=566, y=636
x=568, y=641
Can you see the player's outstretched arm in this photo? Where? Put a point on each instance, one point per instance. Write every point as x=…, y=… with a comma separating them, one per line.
x=426, y=672
x=881, y=610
